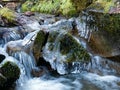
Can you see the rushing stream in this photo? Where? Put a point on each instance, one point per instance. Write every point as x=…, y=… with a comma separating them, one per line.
x=100, y=76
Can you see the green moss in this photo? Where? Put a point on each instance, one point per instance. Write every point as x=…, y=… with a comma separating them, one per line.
x=65, y=7
x=27, y=6
x=108, y=25
x=38, y=44
x=10, y=70
x=52, y=36
x=8, y=14
x=69, y=47
x=104, y=5
x=74, y=51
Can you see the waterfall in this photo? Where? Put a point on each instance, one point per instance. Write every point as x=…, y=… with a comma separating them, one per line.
x=8, y=36
x=26, y=60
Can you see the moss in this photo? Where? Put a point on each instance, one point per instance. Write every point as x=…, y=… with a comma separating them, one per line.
x=65, y=7
x=8, y=14
x=27, y=6
x=108, y=24
x=74, y=51
x=10, y=70
x=103, y=5
x=38, y=44
x=68, y=47
x=52, y=36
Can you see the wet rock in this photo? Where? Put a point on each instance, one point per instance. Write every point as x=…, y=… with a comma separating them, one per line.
x=11, y=5
x=69, y=46
x=21, y=45
x=2, y=57
x=38, y=44
x=114, y=58
x=14, y=46
x=29, y=13
x=11, y=72
x=37, y=72
x=62, y=49
x=105, y=36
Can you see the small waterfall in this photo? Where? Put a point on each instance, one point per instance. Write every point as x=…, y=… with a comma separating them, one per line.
x=9, y=36
x=27, y=61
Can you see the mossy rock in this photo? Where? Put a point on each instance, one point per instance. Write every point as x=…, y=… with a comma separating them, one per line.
x=69, y=47
x=105, y=36
x=104, y=6
x=10, y=71
x=38, y=44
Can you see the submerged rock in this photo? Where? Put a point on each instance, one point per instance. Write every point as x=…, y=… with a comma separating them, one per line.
x=10, y=72
x=40, y=71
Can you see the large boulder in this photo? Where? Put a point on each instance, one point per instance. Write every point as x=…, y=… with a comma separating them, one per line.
x=62, y=49
x=10, y=72
x=69, y=46
x=105, y=36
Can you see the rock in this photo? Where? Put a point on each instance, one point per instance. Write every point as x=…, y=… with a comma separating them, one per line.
x=29, y=13
x=14, y=46
x=2, y=57
x=11, y=5
x=21, y=45
x=114, y=58
x=37, y=72
x=105, y=36
x=69, y=46
x=62, y=49
x=10, y=71
x=104, y=6
x=38, y=44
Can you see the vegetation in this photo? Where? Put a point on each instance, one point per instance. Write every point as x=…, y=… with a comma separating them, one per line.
x=10, y=70
x=65, y=7
x=69, y=47
x=7, y=14
x=103, y=5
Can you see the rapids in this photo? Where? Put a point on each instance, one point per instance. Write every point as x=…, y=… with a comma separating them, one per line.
x=97, y=75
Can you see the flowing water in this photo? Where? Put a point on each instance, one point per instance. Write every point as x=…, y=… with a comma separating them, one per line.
x=97, y=75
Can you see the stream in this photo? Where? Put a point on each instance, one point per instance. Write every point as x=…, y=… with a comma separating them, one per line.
x=97, y=75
